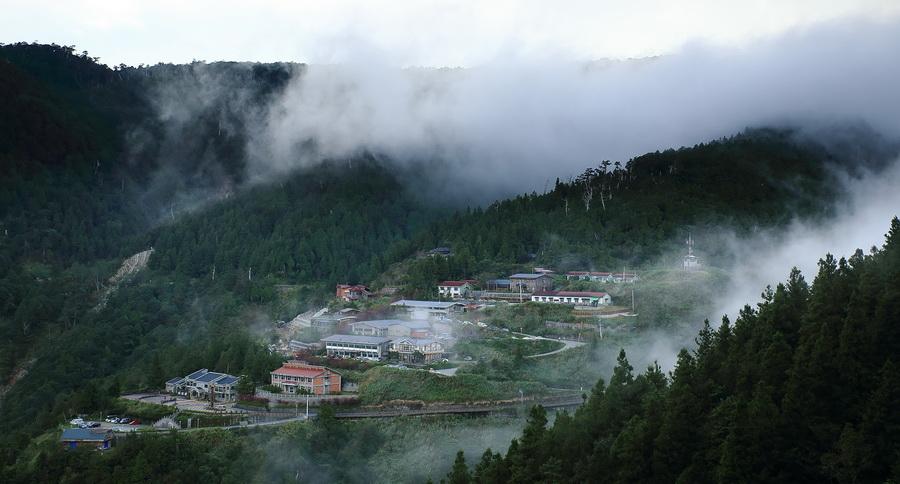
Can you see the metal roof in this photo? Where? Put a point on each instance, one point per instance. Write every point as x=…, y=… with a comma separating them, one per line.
x=571, y=294
x=228, y=380
x=353, y=338
x=85, y=435
x=416, y=341
x=196, y=374
x=425, y=304
x=210, y=377
x=527, y=276
x=387, y=323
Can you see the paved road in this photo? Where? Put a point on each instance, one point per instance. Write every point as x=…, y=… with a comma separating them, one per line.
x=567, y=344
x=550, y=402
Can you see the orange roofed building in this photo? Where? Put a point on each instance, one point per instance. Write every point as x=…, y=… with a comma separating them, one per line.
x=352, y=292
x=297, y=377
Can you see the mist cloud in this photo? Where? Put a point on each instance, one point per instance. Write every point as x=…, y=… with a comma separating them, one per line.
x=766, y=259
x=510, y=125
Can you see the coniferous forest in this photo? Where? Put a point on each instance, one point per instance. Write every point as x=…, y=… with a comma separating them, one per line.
x=803, y=387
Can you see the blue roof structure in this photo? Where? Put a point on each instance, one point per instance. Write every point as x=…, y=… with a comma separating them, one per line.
x=85, y=435
x=196, y=374
x=210, y=377
x=228, y=380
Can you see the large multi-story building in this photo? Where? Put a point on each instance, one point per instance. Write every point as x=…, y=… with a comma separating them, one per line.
x=416, y=350
x=299, y=377
x=356, y=346
x=204, y=384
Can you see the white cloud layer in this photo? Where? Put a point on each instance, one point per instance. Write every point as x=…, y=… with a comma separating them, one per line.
x=516, y=123
x=425, y=32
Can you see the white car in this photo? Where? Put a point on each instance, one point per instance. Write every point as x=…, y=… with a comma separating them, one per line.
x=76, y=421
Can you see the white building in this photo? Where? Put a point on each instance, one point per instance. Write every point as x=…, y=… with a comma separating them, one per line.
x=356, y=346
x=414, y=350
x=202, y=383
x=428, y=309
x=575, y=298
x=455, y=289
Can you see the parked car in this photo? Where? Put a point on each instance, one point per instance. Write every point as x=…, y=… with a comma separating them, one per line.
x=135, y=422
x=111, y=419
x=76, y=421
x=124, y=420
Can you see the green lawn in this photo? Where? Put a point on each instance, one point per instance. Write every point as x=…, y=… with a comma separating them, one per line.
x=385, y=384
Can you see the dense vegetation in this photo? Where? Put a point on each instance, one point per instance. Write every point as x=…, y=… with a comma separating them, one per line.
x=387, y=384
x=327, y=451
x=802, y=388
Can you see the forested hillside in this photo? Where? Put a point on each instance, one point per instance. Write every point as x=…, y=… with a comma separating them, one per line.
x=801, y=388
x=639, y=214
x=97, y=164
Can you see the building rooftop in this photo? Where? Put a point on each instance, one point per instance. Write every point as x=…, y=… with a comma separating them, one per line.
x=208, y=377
x=196, y=374
x=528, y=276
x=309, y=371
x=387, y=323
x=454, y=283
x=353, y=338
x=228, y=380
x=571, y=293
x=425, y=304
x=416, y=341
x=85, y=435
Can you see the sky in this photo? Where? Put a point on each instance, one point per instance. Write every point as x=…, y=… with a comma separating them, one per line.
x=415, y=33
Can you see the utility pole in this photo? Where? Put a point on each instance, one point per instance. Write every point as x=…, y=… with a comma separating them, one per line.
x=307, y=406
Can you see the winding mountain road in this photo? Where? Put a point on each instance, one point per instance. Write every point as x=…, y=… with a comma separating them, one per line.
x=567, y=345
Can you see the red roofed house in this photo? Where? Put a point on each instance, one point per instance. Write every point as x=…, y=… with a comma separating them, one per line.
x=455, y=289
x=352, y=292
x=300, y=377
x=577, y=298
